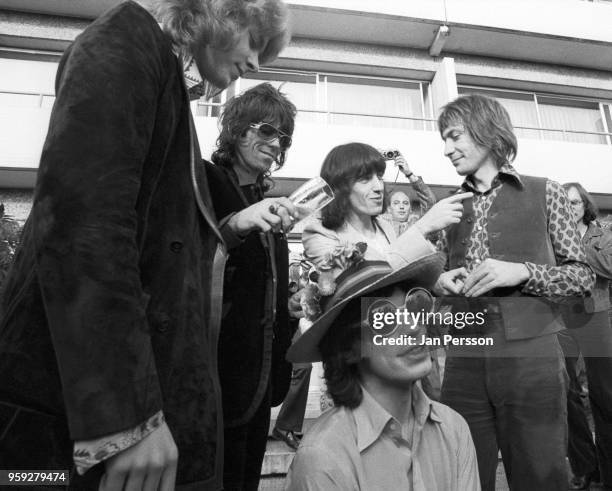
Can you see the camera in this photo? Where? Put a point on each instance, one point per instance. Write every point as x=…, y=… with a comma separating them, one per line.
x=390, y=154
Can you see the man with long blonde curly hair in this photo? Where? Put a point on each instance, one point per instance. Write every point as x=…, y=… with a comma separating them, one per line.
x=108, y=342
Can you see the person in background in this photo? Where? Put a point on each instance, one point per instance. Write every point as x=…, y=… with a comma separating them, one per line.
x=290, y=420
x=399, y=210
x=108, y=341
x=589, y=332
x=384, y=432
x=256, y=130
x=515, y=246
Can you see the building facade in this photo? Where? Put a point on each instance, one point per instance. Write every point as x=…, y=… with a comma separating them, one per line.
x=376, y=72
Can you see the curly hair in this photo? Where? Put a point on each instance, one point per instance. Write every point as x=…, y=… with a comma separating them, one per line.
x=590, y=208
x=261, y=103
x=219, y=22
x=343, y=166
x=486, y=121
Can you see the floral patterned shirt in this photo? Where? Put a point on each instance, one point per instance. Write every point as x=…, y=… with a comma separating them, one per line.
x=91, y=452
x=570, y=277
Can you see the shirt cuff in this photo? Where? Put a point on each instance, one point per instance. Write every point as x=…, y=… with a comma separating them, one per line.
x=534, y=285
x=91, y=452
x=231, y=238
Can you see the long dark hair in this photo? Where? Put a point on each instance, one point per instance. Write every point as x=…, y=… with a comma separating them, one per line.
x=340, y=353
x=590, y=208
x=486, y=121
x=342, y=168
x=340, y=350
x=259, y=103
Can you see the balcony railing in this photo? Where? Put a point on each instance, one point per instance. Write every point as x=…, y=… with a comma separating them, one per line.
x=212, y=109
x=18, y=99
x=429, y=124
x=578, y=136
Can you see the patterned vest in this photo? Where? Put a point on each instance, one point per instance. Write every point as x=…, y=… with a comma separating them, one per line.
x=517, y=227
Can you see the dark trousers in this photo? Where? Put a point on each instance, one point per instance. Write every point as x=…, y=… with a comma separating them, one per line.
x=291, y=414
x=244, y=449
x=585, y=456
x=513, y=397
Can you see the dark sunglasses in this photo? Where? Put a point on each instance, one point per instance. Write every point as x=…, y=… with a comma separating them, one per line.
x=267, y=132
x=417, y=300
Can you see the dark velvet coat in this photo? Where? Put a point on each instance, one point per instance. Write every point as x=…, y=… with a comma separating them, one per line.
x=106, y=313
x=255, y=330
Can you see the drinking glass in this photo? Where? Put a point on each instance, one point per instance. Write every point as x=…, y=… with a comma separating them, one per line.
x=311, y=196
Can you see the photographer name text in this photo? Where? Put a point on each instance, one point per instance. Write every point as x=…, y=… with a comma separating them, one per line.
x=425, y=340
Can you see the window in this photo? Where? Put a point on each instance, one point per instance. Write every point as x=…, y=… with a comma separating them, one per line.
x=300, y=88
x=11, y=99
x=571, y=120
x=520, y=106
x=552, y=117
x=374, y=102
x=607, y=110
x=343, y=99
x=24, y=100
x=210, y=108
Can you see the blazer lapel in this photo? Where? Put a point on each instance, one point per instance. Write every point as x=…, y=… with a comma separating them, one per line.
x=200, y=182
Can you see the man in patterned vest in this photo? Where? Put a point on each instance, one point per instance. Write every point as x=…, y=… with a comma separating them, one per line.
x=514, y=250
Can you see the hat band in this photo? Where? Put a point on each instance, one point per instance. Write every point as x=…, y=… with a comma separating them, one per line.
x=358, y=280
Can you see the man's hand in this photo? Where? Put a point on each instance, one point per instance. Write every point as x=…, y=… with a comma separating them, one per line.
x=295, y=307
x=400, y=161
x=150, y=465
x=269, y=214
x=450, y=282
x=492, y=273
x=445, y=212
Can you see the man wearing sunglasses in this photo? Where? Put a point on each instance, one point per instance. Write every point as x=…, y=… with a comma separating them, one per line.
x=256, y=129
x=515, y=248
x=384, y=432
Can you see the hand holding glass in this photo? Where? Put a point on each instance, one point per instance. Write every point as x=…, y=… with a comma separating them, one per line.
x=310, y=197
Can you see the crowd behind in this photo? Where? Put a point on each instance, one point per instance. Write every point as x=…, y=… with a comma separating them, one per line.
x=152, y=315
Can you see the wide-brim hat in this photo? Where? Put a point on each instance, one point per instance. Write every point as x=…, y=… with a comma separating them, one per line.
x=357, y=281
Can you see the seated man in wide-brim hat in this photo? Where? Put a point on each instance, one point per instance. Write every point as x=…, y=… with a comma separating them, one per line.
x=384, y=432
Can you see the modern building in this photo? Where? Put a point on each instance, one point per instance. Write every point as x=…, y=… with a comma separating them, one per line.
x=375, y=72
x=370, y=71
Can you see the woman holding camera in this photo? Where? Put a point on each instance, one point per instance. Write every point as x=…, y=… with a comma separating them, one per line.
x=354, y=171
